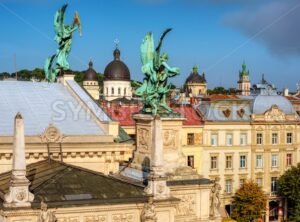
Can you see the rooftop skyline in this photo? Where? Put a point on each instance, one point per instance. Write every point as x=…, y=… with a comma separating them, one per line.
x=217, y=37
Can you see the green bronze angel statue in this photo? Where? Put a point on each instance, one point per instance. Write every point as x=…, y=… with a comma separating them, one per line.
x=155, y=85
x=63, y=37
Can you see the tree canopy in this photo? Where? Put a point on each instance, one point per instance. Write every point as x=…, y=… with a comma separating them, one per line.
x=221, y=90
x=249, y=202
x=289, y=187
x=38, y=74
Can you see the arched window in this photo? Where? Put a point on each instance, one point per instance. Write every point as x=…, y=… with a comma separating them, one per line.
x=119, y=91
x=112, y=90
x=125, y=92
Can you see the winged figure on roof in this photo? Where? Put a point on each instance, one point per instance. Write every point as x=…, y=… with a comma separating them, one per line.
x=63, y=36
x=156, y=71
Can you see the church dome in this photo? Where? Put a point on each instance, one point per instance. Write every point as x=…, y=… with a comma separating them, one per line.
x=195, y=77
x=116, y=70
x=90, y=74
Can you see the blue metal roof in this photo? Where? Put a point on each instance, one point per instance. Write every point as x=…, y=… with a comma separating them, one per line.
x=42, y=103
x=262, y=103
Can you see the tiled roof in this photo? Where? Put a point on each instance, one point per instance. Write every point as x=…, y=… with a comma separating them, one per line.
x=222, y=96
x=192, y=117
x=293, y=98
x=57, y=183
x=123, y=114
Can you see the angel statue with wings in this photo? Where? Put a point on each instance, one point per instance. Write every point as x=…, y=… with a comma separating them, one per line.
x=64, y=39
x=155, y=85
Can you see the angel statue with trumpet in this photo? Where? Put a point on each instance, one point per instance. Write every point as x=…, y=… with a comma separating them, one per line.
x=155, y=85
x=63, y=37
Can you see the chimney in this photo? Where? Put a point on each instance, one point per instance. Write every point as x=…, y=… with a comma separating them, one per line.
x=285, y=91
x=18, y=195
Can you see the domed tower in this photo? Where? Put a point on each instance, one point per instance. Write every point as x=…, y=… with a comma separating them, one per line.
x=195, y=84
x=244, y=84
x=90, y=81
x=116, y=83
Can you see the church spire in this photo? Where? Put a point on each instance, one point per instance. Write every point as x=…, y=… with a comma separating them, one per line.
x=244, y=71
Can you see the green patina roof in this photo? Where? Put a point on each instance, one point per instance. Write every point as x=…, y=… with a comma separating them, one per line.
x=60, y=184
x=244, y=71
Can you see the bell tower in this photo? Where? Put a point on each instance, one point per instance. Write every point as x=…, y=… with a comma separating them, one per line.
x=244, y=84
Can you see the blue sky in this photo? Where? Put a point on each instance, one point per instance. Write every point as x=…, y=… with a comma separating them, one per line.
x=215, y=35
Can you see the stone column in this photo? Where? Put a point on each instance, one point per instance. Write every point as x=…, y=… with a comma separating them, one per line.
x=18, y=195
x=157, y=181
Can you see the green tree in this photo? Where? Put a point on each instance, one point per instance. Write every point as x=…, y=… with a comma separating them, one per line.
x=135, y=84
x=79, y=76
x=249, y=202
x=4, y=75
x=38, y=74
x=289, y=187
x=217, y=90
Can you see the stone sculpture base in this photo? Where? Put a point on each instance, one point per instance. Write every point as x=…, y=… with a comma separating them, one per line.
x=157, y=185
x=18, y=195
x=174, y=160
x=65, y=75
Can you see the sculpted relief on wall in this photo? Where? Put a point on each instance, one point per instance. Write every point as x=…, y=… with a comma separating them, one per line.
x=143, y=138
x=187, y=204
x=170, y=138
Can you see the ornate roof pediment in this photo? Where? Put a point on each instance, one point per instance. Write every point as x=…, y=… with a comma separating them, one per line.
x=52, y=135
x=274, y=114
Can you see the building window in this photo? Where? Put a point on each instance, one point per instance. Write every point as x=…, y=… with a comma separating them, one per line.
x=289, y=159
x=274, y=185
x=125, y=91
x=274, y=138
x=190, y=161
x=106, y=91
x=259, y=182
x=228, y=186
x=112, y=91
x=242, y=161
x=229, y=139
x=274, y=160
x=228, y=162
x=213, y=162
x=243, y=139
x=289, y=138
x=259, y=138
x=190, y=139
x=214, y=139
x=119, y=91
x=259, y=161
x=242, y=182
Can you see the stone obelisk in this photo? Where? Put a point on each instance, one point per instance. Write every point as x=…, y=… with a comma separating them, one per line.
x=157, y=181
x=18, y=195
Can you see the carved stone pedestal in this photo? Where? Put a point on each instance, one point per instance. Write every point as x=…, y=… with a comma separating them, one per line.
x=157, y=186
x=18, y=195
x=173, y=158
x=64, y=76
